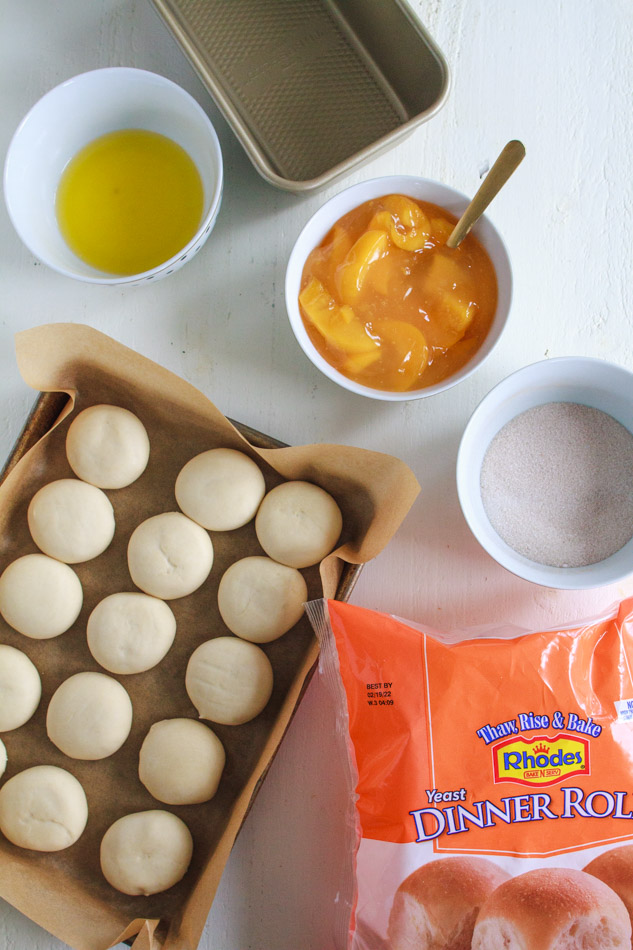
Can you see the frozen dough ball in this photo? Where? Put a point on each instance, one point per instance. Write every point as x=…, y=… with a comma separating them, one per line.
x=169, y=555
x=229, y=680
x=20, y=688
x=146, y=852
x=298, y=524
x=436, y=906
x=260, y=600
x=89, y=716
x=39, y=596
x=107, y=446
x=43, y=808
x=181, y=762
x=3, y=758
x=71, y=520
x=220, y=489
x=130, y=632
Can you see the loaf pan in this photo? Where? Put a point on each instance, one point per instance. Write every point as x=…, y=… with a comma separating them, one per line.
x=312, y=88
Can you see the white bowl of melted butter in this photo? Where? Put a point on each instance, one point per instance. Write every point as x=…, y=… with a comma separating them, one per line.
x=114, y=177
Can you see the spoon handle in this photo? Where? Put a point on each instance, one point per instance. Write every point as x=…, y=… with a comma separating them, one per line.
x=511, y=156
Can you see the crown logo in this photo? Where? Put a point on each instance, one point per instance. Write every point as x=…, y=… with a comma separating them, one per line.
x=541, y=760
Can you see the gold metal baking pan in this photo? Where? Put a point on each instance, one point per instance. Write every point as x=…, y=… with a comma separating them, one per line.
x=312, y=88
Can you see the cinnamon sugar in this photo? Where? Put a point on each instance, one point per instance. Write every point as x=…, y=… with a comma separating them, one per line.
x=557, y=484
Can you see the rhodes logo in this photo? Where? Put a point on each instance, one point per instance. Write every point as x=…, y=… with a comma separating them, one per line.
x=541, y=760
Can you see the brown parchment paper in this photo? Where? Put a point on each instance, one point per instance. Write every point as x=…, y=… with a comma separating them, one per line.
x=65, y=892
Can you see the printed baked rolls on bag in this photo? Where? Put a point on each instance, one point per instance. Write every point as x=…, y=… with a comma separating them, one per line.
x=436, y=906
x=615, y=868
x=553, y=909
x=490, y=778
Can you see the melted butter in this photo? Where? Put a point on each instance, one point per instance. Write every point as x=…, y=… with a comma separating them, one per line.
x=129, y=201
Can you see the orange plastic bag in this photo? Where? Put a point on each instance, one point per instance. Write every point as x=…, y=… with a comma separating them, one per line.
x=473, y=762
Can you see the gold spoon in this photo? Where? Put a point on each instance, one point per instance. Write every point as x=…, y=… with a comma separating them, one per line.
x=509, y=159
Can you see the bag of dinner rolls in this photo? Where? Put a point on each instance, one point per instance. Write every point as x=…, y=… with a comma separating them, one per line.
x=491, y=782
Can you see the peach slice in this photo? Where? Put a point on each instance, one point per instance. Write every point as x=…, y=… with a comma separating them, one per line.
x=441, y=230
x=408, y=226
x=339, y=249
x=410, y=348
x=443, y=272
x=339, y=326
x=351, y=275
x=361, y=361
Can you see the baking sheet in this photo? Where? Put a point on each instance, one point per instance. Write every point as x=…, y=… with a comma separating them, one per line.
x=65, y=891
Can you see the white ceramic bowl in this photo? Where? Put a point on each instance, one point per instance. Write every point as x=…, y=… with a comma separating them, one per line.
x=425, y=190
x=590, y=382
x=73, y=114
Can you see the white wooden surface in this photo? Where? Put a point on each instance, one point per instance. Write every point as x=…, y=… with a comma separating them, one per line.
x=557, y=75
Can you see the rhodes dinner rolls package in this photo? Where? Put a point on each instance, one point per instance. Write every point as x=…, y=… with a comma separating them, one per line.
x=490, y=782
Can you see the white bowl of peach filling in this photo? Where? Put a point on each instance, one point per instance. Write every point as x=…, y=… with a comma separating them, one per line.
x=379, y=303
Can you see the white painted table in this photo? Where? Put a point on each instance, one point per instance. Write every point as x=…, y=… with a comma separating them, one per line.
x=559, y=77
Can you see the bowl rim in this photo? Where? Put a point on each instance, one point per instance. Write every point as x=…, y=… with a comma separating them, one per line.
x=296, y=262
x=550, y=576
x=215, y=200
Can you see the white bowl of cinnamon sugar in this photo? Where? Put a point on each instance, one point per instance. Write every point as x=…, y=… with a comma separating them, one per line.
x=380, y=305
x=545, y=473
